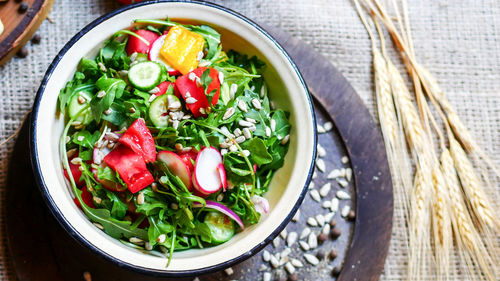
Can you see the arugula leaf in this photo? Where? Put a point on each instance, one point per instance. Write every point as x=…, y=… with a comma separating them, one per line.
x=85, y=138
x=282, y=124
x=119, y=208
x=258, y=151
x=113, y=88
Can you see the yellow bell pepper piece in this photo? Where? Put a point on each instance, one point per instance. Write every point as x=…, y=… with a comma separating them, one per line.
x=181, y=49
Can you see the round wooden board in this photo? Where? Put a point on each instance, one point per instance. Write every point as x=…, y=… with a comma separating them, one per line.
x=41, y=250
x=19, y=27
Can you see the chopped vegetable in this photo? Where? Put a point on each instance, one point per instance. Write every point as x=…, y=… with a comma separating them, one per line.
x=182, y=49
x=139, y=139
x=189, y=87
x=223, y=209
x=136, y=45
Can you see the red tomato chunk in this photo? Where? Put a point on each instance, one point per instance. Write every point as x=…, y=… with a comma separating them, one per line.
x=136, y=45
x=139, y=139
x=185, y=86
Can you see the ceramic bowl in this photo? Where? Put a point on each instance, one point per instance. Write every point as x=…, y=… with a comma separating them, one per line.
x=286, y=88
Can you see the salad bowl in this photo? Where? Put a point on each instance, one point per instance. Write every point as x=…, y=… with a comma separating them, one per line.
x=286, y=87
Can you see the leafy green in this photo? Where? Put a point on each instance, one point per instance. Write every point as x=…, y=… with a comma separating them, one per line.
x=258, y=151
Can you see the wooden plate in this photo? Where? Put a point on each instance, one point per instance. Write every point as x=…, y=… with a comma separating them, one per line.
x=19, y=27
x=42, y=250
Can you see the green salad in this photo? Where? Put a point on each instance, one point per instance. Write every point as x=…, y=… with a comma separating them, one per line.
x=170, y=142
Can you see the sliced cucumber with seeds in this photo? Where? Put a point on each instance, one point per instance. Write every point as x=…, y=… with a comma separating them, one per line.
x=158, y=110
x=77, y=103
x=221, y=227
x=145, y=75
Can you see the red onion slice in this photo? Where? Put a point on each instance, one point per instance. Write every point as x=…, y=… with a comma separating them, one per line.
x=223, y=209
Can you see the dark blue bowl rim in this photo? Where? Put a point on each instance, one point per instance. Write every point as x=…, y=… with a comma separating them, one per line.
x=74, y=232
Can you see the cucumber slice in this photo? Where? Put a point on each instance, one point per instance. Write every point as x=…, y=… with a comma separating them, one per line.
x=221, y=227
x=141, y=57
x=145, y=75
x=75, y=106
x=158, y=109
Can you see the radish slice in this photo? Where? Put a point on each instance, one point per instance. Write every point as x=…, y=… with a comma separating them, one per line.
x=261, y=204
x=223, y=209
x=207, y=175
x=176, y=166
x=222, y=175
x=154, y=55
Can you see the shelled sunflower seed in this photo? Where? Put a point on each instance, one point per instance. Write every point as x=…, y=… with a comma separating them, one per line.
x=305, y=232
x=304, y=245
x=291, y=238
x=312, y=241
x=345, y=211
x=296, y=217
x=312, y=221
x=321, y=151
x=325, y=189
x=321, y=165
x=342, y=195
x=311, y=259
x=335, y=173
x=315, y=195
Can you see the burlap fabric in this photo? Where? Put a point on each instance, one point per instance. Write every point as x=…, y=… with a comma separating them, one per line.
x=458, y=41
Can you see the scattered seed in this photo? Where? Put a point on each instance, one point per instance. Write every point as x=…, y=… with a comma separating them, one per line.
x=335, y=173
x=223, y=151
x=140, y=198
x=266, y=256
x=325, y=189
x=76, y=161
x=289, y=268
x=320, y=219
x=246, y=152
x=80, y=138
x=274, y=262
x=240, y=139
x=291, y=238
x=344, y=159
x=333, y=223
x=242, y=105
x=108, y=111
x=268, y=131
x=342, y=182
x=312, y=240
x=276, y=242
x=23, y=52
x=335, y=233
x=321, y=151
x=98, y=225
x=321, y=165
x=102, y=67
x=283, y=233
x=348, y=174
x=229, y=271
x=304, y=246
x=312, y=221
x=23, y=8
x=233, y=148
x=136, y=240
x=335, y=205
x=221, y=77
x=252, y=128
x=199, y=56
x=256, y=103
x=161, y=238
x=273, y=125
x=220, y=197
x=101, y=94
x=336, y=271
x=332, y=255
x=311, y=185
x=342, y=172
x=36, y=39
x=311, y=259
x=315, y=195
x=326, y=204
x=326, y=229
x=232, y=91
x=285, y=253
x=285, y=140
x=322, y=238
x=293, y=277
x=296, y=262
x=351, y=215
x=266, y=276
x=342, y=195
x=148, y=246
x=191, y=100
x=305, y=232
x=328, y=126
x=345, y=211
x=320, y=129
x=245, y=123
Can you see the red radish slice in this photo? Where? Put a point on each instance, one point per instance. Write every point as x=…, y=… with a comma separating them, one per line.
x=261, y=204
x=154, y=55
x=136, y=45
x=176, y=166
x=206, y=173
x=187, y=157
x=222, y=175
x=223, y=209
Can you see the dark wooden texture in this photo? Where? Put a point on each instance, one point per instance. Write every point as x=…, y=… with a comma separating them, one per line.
x=19, y=27
x=41, y=250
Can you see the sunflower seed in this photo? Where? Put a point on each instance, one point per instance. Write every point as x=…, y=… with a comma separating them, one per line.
x=191, y=100
x=71, y=152
x=321, y=151
x=305, y=232
x=80, y=138
x=335, y=173
x=283, y=233
x=148, y=246
x=68, y=138
x=329, y=216
x=335, y=205
x=311, y=259
x=136, y=240
x=76, y=161
x=342, y=195
x=220, y=197
x=274, y=262
x=140, y=198
x=237, y=132
x=108, y=111
x=291, y=238
x=155, y=90
x=246, y=152
x=345, y=211
x=348, y=174
x=81, y=100
x=325, y=189
x=229, y=271
x=320, y=129
x=276, y=242
x=256, y=103
x=342, y=172
x=101, y=94
x=233, y=148
x=263, y=91
x=221, y=78
x=326, y=204
x=285, y=140
x=262, y=267
x=161, y=238
x=247, y=133
x=245, y=123
x=223, y=151
x=76, y=124
x=232, y=91
x=342, y=182
x=266, y=276
x=296, y=217
x=273, y=125
x=311, y=185
x=312, y=240
x=266, y=256
x=242, y=106
x=315, y=195
x=240, y=139
x=102, y=67
x=285, y=253
x=326, y=229
x=225, y=145
x=305, y=247
x=312, y=221
x=198, y=82
x=268, y=131
x=289, y=268
x=133, y=56
x=98, y=225
x=328, y=126
x=320, y=219
x=344, y=159
x=321, y=165
x=252, y=128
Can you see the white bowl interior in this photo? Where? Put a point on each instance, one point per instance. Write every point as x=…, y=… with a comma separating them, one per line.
x=286, y=90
